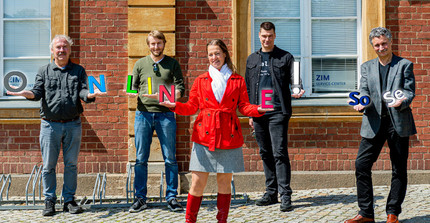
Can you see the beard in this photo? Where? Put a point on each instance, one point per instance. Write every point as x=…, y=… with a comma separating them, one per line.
x=157, y=54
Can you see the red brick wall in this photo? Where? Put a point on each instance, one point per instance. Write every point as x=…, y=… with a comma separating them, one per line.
x=19, y=147
x=410, y=23
x=99, y=29
x=197, y=22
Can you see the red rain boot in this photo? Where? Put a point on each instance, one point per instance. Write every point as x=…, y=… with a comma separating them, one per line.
x=193, y=206
x=223, y=205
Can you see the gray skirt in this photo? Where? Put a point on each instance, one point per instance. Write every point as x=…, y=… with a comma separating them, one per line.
x=218, y=161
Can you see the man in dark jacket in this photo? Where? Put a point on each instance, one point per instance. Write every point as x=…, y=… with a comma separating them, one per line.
x=271, y=68
x=60, y=85
x=392, y=122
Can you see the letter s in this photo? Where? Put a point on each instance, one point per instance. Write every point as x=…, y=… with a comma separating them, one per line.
x=389, y=98
x=355, y=99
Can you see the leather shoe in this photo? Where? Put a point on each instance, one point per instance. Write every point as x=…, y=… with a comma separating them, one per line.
x=360, y=219
x=392, y=219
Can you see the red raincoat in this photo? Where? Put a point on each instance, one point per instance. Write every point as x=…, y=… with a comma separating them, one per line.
x=217, y=125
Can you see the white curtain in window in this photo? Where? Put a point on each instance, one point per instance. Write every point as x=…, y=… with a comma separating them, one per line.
x=27, y=9
x=26, y=38
x=276, y=8
x=334, y=36
x=334, y=8
x=287, y=34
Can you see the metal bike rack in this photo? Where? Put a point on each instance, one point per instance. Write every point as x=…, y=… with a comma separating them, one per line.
x=99, y=192
x=99, y=188
x=129, y=187
x=161, y=186
x=35, y=177
x=5, y=180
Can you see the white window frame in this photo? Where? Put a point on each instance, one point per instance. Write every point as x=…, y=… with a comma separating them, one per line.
x=306, y=46
x=3, y=58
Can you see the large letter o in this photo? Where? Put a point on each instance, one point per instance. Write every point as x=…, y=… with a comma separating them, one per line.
x=15, y=73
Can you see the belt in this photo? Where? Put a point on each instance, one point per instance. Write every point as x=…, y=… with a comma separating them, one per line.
x=62, y=121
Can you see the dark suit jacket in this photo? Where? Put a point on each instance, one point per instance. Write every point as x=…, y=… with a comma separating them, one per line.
x=400, y=76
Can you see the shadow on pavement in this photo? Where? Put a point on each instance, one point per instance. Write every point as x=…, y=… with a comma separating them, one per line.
x=326, y=200
x=417, y=219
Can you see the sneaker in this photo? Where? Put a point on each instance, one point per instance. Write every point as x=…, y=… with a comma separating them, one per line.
x=138, y=205
x=49, y=208
x=174, y=205
x=72, y=207
x=267, y=200
x=286, y=203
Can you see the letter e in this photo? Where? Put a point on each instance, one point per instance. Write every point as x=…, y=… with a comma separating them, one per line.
x=264, y=98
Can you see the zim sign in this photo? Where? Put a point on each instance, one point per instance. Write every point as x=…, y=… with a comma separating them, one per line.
x=333, y=81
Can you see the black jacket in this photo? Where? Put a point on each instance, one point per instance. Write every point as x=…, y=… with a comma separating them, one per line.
x=281, y=69
x=61, y=91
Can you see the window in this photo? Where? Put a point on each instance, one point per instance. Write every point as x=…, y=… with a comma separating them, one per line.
x=25, y=36
x=324, y=35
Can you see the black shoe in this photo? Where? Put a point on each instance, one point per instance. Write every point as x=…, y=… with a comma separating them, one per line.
x=138, y=205
x=72, y=207
x=286, y=203
x=267, y=200
x=49, y=208
x=174, y=205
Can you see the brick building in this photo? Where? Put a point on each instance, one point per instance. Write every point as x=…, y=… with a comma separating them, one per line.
x=109, y=37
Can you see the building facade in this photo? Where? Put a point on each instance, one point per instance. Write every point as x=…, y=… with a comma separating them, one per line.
x=330, y=39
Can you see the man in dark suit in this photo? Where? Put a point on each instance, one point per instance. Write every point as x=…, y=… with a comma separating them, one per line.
x=384, y=120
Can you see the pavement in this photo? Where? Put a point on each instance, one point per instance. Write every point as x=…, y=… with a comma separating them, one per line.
x=315, y=205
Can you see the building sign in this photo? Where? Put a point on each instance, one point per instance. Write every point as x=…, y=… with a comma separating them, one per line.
x=333, y=81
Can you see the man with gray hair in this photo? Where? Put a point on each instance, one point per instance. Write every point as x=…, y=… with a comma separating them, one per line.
x=60, y=85
x=390, y=84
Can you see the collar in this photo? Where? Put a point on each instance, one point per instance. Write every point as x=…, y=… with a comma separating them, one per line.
x=55, y=67
x=275, y=48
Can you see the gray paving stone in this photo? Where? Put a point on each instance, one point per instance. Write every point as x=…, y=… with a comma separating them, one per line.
x=318, y=205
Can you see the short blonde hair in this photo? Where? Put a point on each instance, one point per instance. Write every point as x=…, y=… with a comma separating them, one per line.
x=156, y=34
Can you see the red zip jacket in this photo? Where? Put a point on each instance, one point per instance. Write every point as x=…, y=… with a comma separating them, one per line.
x=217, y=125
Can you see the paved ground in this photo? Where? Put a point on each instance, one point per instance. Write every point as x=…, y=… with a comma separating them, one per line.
x=322, y=205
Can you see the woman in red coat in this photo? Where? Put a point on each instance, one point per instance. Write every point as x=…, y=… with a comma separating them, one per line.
x=217, y=134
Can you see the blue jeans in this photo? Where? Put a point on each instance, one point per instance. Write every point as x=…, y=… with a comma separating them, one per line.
x=164, y=124
x=52, y=135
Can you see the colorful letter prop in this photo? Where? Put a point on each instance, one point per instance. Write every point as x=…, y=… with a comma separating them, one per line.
x=163, y=91
x=130, y=85
x=264, y=98
x=101, y=86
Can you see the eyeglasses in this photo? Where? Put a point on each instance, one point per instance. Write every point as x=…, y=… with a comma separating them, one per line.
x=155, y=68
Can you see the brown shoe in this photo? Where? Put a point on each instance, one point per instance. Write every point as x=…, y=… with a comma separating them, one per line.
x=359, y=219
x=392, y=219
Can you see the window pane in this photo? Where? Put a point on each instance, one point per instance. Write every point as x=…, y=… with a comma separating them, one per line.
x=287, y=34
x=334, y=8
x=27, y=9
x=334, y=75
x=18, y=42
x=337, y=36
x=28, y=67
x=276, y=8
